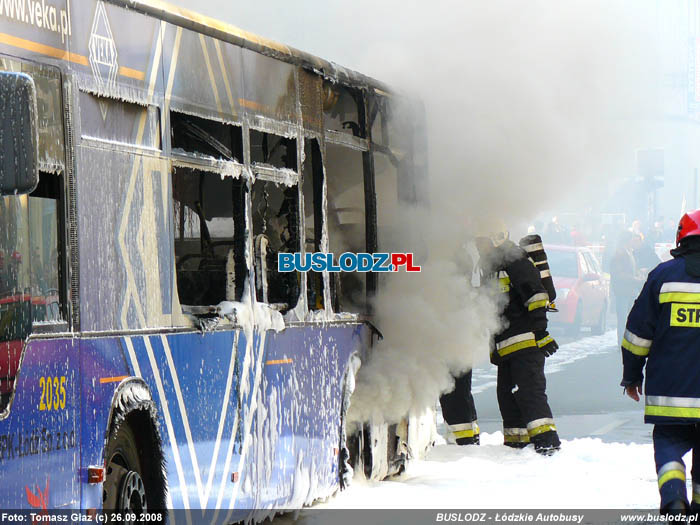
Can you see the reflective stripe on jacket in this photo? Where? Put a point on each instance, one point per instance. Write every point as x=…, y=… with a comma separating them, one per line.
x=525, y=309
x=663, y=333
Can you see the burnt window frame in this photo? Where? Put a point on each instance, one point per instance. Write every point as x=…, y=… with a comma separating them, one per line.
x=238, y=237
x=318, y=187
x=234, y=154
x=208, y=165
x=277, y=177
x=364, y=144
x=292, y=148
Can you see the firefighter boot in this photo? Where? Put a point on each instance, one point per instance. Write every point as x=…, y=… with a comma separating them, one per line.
x=546, y=443
x=473, y=440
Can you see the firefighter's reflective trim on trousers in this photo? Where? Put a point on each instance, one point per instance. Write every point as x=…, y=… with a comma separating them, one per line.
x=679, y=293
x=515, y=343
x=666, y=406
x=540, y=426
x=504, y=281
x=669, y=471
x=696, y=493
x=635, y=344
x=539, y=300
x=529, y=248
x=545, y=273
x=464, y=430
x=515, y=435
x=545, y=341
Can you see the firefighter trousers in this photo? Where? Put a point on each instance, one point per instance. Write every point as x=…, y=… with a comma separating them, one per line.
x=522, y=401
x=671, y=443
x=459, y=411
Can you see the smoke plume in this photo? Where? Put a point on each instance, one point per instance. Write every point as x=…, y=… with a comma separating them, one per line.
x=529, y=105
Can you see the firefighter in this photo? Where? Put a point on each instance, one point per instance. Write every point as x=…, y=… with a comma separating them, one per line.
x=663, y=331
x=459, y=411
x=519, y=350
x=458, y=408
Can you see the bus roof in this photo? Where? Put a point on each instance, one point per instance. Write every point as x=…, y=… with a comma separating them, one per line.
x=214, y=28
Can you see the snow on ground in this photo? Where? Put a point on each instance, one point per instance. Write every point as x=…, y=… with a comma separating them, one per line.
x=586, y=473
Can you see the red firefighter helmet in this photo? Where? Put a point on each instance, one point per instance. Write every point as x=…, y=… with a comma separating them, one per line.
x=688, y=226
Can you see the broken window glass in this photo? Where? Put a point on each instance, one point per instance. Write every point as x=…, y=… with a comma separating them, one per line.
x=273, y=150
x=209, y=220
x=346, y=222
x=205, y=137
x=313, y=210
x=275, y=230
x=341, y=109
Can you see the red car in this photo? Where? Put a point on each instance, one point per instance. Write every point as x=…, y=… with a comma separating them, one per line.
x=582, y=289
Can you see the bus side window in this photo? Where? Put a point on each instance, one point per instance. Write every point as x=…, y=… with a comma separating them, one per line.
x=346, y=223
x=30, y=273
x=44, y=262
x=273, y=150
x=275, y=230
x=389, y=231
x=209, y=224
x=341, y=111
x=313, y=211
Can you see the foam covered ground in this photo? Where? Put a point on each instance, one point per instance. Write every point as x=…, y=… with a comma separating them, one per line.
x=586, y=473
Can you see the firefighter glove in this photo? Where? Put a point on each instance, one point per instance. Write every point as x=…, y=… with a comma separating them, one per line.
x=546, y=342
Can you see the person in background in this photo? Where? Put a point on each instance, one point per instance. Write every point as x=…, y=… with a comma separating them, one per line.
x=644, y=256
x=556, y=233
x=624, y=279
x=663, y=333
x=657, y=232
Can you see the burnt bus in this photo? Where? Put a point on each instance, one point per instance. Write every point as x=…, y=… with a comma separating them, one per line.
x=154, y=163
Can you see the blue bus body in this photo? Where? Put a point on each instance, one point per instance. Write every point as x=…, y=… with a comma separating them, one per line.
x=221, y=450
x=138, y=101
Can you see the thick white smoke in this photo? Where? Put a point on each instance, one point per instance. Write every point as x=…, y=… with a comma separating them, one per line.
x=434, y=323
x=528, y=105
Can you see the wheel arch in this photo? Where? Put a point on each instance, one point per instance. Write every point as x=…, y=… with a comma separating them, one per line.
x=132, y=404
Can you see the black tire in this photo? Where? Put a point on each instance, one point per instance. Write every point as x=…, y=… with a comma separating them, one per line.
x=575, y=328
x=124, y=489
x=599, y=329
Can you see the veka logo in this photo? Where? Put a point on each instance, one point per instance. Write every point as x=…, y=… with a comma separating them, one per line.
x=347, y=262
x=40, y=500
x=103, y=52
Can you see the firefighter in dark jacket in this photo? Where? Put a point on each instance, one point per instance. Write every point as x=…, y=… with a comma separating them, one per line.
x=663, y=331
x=458, y=408
x=519, y=350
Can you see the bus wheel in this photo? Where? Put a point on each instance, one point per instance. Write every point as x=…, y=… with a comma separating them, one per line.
x=123, y=489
